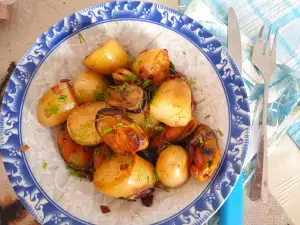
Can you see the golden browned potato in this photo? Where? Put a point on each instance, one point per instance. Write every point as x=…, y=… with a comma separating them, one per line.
x=153, y=65
x=90, y=87
x=75, y=155
x=124, y=175
x=81, y=124
x=172, y=103
x=107, y=58
x=172, y=166
x=56, y=105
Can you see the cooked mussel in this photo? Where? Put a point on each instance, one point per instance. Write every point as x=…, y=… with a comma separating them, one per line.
x=123, y=176
x=204, y=152
x=120, y=133
x=132, y=98
x=174, y=134
x=123, y=75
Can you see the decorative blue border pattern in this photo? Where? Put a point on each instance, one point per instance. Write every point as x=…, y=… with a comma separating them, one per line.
x=19, y=174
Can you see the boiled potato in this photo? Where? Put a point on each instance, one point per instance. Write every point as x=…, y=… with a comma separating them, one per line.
x=124, y=175
x=172, y=166
x=89, y=86
x=153, y=65
x=107, y=58
x=56, y=105
x=75, y=155
x=172, y=103
x=81, y=124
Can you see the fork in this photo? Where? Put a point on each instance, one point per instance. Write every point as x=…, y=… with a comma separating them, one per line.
x=265, y=61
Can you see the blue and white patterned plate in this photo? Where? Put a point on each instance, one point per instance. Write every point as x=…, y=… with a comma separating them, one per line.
x=49, y=193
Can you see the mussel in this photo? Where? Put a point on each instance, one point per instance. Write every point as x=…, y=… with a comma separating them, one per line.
x=132, y=98
x=120, y=133
x=204, y=152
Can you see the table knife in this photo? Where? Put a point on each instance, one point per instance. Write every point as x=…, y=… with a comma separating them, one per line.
x=231, y=213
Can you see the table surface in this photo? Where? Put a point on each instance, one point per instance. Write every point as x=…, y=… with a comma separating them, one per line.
x=27, y=22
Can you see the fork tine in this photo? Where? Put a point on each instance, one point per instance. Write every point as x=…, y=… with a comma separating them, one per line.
x=274, y=47
x=258, y=49
x=267, y=50
x=261, y=33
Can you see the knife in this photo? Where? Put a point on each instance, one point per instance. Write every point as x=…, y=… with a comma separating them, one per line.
x=231, y=213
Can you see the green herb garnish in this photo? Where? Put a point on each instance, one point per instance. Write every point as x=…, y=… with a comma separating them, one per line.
x=166, y=189
x=131, y=125
x=92, y=170
x=128, y=160
x=98, y=150
x=172, y=68
x=159, y=128
x=201, y=140
x=146, y=83
x=81, y=39
x=191, y=82
x=108, y=130
x=45, y=165
x=97, y=96
x=76, y=172
x=108, y=155
x=207, y=116
x=132, y=77
x=62, y=98
x=184, y=53
x=52, y=110
x=155, y=176
x=219, y=132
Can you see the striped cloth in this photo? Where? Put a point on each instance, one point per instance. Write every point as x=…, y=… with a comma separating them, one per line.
x=284, y=97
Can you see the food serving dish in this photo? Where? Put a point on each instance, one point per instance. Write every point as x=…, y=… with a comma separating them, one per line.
x=39, y=176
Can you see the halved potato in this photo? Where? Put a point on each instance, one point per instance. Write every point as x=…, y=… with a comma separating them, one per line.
x=81, y=124
x=90, y=87
x=107, y=58
x=153, y=65
x=124, y=175
x=56, y=105
x=172, y=103
x=75, y=155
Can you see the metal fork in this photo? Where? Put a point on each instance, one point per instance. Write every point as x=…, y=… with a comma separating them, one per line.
x=265, y=61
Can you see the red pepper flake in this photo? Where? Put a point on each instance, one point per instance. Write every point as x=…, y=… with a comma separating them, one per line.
x=104, y=209
x=25, y=148
x=193, y=106
x=56, y=90
x=124, y=167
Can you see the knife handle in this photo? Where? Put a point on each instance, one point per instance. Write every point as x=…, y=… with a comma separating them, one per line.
x=232, y=211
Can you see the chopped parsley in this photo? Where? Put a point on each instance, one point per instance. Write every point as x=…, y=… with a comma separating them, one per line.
x=159, y=128
x=81, y=39
x=184, y=53
x=98, y=96
x=108, y=155
x=52, y=110
x=218, y=131
x=207, y=116
x=132, y=77
x=155, y=176
x=146, y=83
x=98, y=150
x=191, y=81
x=166, y=189
x=209, y=163
x=92, y=170
x=62, y=98
x=201, y=140
x=131, y=125
x=172, y=68
x=108, y=130
x=76, y=172
x=45, y=165
x=121, y=88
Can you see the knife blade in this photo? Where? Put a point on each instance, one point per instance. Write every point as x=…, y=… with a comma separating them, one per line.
x=232, y=210
x=234, y=39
